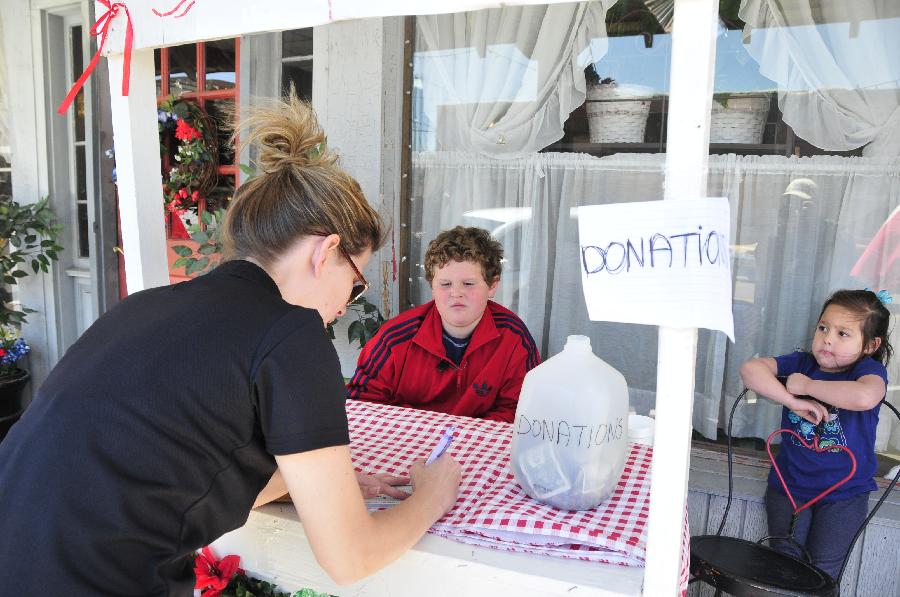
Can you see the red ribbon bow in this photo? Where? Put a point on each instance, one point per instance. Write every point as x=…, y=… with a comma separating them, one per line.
x=101, y=27
x=213, y=576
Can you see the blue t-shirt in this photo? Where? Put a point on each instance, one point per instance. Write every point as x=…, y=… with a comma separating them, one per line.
x=808, y=473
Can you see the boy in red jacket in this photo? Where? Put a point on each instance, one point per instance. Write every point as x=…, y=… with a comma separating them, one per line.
x=460, y=353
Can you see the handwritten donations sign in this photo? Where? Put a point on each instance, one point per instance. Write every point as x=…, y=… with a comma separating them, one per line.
x=658, y=262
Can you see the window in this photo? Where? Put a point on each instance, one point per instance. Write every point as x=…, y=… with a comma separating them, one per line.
x=506, y=134
x=297, y=61
x=78, y=149
x=207, y=74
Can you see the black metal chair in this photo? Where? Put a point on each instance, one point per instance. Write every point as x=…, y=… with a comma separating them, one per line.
x=750, y=569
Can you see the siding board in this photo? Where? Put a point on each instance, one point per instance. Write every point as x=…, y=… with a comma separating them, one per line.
x=878, y=571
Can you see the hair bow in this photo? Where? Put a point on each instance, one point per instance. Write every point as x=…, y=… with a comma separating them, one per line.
x=883, y=295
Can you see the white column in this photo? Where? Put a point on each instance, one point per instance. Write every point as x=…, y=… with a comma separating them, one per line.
x=690, y=94
x=139, y=184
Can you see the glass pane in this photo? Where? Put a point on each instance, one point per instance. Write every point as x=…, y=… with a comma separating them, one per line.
x=220, y=196
x=183, y=69
x=298, y=42
x=5, y=182
x=80, y=173
x=818, y=84
x=218, y=110
x=300, y=74
x=77, y=67
x=84, y=249
x=492, y=149
x=158, y=70
x=220, y=64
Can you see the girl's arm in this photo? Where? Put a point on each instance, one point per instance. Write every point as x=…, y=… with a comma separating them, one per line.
x=760, y=376
x=863, y=394
x=348, y=542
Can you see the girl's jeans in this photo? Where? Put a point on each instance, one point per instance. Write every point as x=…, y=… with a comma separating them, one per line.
x=826, y=530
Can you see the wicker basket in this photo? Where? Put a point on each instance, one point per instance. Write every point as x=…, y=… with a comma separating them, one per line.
x=617, y=113
x=742, y=121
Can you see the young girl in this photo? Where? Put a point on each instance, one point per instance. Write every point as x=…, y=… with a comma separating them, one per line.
x=840, y=384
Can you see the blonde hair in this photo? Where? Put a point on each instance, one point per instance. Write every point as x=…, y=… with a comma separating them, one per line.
x=299, y=189
x=465, y=244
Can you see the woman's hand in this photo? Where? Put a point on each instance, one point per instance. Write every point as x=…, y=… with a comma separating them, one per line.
x=812, y=411
x=439, y=481
x=381, y=484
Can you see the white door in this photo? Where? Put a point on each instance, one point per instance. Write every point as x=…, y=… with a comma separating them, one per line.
x=71, y=171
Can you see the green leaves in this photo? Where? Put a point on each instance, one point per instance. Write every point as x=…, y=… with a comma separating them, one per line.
x=209, y=245
x=242, y=585
x=368, y=322
x=28, y=243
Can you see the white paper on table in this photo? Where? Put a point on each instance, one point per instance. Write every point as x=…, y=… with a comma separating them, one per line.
x=663, y=263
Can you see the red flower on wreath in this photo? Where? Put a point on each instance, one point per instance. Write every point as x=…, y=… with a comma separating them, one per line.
x=185, y=132
x=214, y=575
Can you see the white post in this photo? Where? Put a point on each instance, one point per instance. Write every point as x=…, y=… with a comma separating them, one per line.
x=138, y=171
x=690, y=93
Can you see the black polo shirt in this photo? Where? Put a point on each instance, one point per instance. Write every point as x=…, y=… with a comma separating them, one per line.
x=155, y=433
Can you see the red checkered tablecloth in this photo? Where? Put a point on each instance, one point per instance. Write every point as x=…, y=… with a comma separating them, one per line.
x=492, y=510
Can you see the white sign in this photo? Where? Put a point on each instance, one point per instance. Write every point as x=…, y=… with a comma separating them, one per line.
x=660, y=262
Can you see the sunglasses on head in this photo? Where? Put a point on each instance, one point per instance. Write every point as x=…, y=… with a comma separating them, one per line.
x=361, y=285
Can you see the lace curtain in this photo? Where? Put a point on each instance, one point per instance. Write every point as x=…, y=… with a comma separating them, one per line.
x=502, y=82
x=798, y=227
x=837, y=69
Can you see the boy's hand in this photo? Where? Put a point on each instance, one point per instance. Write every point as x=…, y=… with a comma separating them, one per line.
x=796, y=384
x=812, y=411
x=381, y=484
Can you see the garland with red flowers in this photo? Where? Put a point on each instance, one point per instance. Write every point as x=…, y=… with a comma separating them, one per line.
x=225, y=578
x=193, y=167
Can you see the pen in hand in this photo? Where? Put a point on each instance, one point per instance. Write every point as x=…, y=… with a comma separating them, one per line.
x=442, y=445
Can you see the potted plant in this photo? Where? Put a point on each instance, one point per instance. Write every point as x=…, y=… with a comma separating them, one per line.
x=616, y=113
x=207, y=239
x=28, y=241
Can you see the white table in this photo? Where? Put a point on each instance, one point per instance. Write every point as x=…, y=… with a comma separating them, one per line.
x=273, y=547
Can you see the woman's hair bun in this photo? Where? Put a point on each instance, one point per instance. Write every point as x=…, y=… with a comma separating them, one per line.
x=287, y=135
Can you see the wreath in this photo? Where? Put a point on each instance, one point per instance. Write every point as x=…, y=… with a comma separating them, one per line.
x=193, y=165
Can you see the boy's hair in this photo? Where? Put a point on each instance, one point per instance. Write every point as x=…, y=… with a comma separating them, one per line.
x=465, y=244
x=874, y=315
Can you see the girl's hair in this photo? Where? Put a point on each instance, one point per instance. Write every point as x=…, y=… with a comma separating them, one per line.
x=874, y=315
x=299, y=190
x=465, y=244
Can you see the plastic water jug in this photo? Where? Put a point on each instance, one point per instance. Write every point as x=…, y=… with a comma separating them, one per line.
x=570, y=434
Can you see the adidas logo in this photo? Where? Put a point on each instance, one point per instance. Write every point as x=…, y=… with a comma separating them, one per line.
x=482, y=390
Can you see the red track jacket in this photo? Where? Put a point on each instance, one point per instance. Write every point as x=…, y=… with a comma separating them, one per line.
x=405, y=364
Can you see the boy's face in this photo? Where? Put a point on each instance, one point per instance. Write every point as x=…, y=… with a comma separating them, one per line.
x=461, y=295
